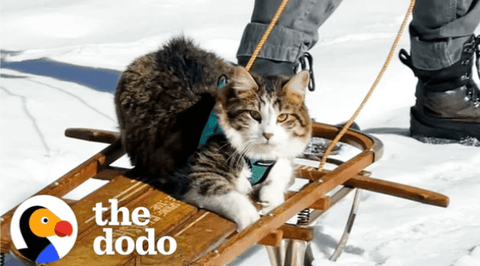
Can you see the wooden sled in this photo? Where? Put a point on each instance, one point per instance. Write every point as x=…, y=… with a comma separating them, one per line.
x=204, y=238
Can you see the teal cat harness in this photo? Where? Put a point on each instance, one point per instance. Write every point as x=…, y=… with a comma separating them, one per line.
x=259, y=168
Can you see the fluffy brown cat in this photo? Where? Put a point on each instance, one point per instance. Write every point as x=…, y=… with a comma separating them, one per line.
x=162, y=101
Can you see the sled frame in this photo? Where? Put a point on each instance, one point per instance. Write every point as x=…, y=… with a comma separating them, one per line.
x=221, y=244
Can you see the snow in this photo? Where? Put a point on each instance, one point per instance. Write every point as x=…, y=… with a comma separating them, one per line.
x=38, y=104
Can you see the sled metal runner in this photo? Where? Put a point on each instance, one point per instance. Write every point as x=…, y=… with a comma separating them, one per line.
x=204, y=238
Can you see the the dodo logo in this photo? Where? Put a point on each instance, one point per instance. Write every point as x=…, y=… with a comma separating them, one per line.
x=43, y=229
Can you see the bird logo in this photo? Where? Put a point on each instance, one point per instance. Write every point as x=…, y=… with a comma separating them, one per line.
x=43, y=229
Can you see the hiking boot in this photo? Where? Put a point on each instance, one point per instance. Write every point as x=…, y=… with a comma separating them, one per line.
x=447, y=100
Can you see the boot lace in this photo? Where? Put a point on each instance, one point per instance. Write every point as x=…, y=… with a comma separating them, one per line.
x=473, y=48
x=477, y=54
x=475, y=92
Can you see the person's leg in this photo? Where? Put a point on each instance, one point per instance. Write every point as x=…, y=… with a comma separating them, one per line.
x=294, y=34
x=442, y=57
x=439, y=30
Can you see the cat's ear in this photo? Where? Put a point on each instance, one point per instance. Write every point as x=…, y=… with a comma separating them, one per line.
x=296, y=87
x=244, y=82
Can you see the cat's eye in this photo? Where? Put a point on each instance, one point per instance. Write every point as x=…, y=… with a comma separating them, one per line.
x=282, y=117
x=256, y=115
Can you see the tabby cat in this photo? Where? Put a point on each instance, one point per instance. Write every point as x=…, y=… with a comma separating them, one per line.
x=163, y=100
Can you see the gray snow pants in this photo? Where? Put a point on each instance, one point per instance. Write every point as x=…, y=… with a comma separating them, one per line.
x=437, y=33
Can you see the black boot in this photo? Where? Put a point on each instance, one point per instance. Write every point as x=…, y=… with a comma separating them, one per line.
x=448, y=100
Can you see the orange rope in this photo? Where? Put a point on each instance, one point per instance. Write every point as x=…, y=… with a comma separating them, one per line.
x=367, y=97
x=266, y=34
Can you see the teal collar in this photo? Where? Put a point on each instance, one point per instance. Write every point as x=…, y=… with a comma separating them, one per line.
x=260, y=169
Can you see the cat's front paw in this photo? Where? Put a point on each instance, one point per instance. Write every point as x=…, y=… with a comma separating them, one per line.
x=247, y=217
x=244, y=186
x=269, y=206
x=270, y=201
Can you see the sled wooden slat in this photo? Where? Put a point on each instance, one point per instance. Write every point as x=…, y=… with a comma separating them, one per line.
x=197, y=236
x=382, y=186
x=398, y=190
x=121, y=188
x=321, y=204
x=273, y=238
x=67, y=183
x=92, y=134
x=166, y=214
x=110, y=173
x=298, y=233
x=287, y=231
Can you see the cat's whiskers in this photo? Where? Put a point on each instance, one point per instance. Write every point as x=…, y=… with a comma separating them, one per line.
x=223, y=146
x=235, y=158
x=238, y=155
x=247, y=149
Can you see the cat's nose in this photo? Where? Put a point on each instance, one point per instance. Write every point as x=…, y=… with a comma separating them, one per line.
x=267, y=135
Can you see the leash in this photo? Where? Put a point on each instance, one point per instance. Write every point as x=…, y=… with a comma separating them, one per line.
x=269, y=29
x=370, y=92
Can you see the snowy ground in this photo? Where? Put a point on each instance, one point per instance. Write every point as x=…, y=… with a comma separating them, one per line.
x=44, y=91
